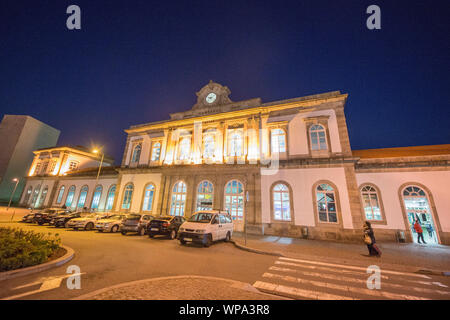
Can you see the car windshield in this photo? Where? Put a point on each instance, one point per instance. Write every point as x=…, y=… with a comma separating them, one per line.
x=114, y=217
x=134, y=217
x=165, y=218
x=202, y=217
x=89, y=216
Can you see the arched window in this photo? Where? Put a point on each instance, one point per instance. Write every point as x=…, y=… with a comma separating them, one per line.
x=178, y=199
x=70, y=195
x=235, y=143
x=136, y=153
x=42, y=197
x=371, y=203
x=326, y=203
x=127, y=195
x=318, y=137
x=110, y=197
x=281, y=202
x=96, y=197
x=234, y=199
x=37, y=189
x=82, y=197
x=149, y=193
x=184, y=149
x=205, y=196
x=208, y=146
x=156, y=151
x=278, y=141
x=60, y=194
x=28, y=195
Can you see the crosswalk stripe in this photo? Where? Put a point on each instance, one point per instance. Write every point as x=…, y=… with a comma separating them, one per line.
x=296, y=292
x=354, y=267
x=334, y=286
x=360, y=281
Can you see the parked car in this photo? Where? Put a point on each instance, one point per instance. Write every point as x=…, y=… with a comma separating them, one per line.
x=86, y=222
x=48, y=214
x=28, y=218
x=110, y=224
x=136, y=223
x=63, y=220
x=205, y=227
x=165, y=225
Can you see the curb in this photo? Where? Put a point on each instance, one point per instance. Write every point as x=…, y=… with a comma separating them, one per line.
x=233, y=283
x=40, y=267
x=269, y=253
x=279, y=254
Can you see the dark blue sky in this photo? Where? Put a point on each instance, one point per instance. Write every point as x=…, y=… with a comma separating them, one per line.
x=136, y=61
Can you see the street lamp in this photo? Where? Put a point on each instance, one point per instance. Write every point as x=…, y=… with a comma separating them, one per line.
x=99, y=168
x=12, y=194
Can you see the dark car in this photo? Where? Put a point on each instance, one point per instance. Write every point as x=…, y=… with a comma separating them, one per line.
x=136, y=223
x=165, y=225
x=62, y=220
x=28, y=218
x=48, y=215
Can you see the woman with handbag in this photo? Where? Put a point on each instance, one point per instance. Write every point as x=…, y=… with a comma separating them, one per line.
x=369, y=239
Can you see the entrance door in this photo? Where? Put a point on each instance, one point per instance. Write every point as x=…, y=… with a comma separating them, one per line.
x=234, y=203
x=417, y=207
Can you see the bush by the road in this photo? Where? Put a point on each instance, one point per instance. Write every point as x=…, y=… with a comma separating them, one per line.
x=19, y=248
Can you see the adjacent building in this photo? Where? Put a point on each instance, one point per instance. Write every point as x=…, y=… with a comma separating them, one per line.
x=20, y=135
x=279, y=168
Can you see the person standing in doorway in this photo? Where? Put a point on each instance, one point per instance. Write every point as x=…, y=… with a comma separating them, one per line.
x=369, y=239
x=419, y=231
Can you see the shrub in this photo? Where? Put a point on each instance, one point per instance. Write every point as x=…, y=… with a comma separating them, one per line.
x=19, y=248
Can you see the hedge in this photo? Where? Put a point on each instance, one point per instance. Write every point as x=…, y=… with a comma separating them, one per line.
x=19, y=248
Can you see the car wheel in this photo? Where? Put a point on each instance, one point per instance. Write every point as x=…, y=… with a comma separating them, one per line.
x=89, y=226
x=115, y=228
x=142, y=232
x=182, y=242
x=228, y=237
x=150, y=235
x=207, y=241
x=123, y=233
x=173, y=234
x=76, y=229
x=66, y=225
x=40, y=223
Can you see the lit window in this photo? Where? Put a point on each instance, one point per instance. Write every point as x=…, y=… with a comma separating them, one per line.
x=205, y=196
x=35, y=195
x=70, y=195
x=318, y=139
x=38, y=168
x=110, y=198
x=178, y=199
x=136, y=154
x=370, y=203
x=326, y=203
x=234, y=199
x=278, y=141
x=60, y=194
x=235, y=143
x=208, y=147
x=281, y=203
x=96, y=197
x=184, y=149
x=42, y=197
x=52, y=166
x=82, y=197
x=73, y=165
x=148, y=197
x=156, y=151
x=28, y=195
x=44, y=167
x=128, y=193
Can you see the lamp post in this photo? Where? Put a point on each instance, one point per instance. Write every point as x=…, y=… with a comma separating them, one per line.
x=99, y=168
x=12, y=194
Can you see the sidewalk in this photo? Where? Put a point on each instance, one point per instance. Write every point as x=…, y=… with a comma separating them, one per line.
x=405, y=257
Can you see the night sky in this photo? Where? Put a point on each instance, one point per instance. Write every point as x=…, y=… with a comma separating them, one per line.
x=137, y=61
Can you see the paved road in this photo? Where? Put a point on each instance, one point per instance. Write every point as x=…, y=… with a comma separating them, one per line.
x=110, y=259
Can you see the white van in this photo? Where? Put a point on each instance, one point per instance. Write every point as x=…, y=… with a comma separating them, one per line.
x=205, y=227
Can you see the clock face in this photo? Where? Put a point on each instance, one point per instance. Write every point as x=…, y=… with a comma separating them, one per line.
x=211, y=97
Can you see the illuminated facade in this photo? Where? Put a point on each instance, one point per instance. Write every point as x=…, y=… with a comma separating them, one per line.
x=282, y=168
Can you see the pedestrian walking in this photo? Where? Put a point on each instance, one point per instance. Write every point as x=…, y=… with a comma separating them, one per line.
x=419, y=231
x=369, y=240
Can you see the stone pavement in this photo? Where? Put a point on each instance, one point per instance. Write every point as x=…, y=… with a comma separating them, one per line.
x=406, y=257
x=180, y=288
